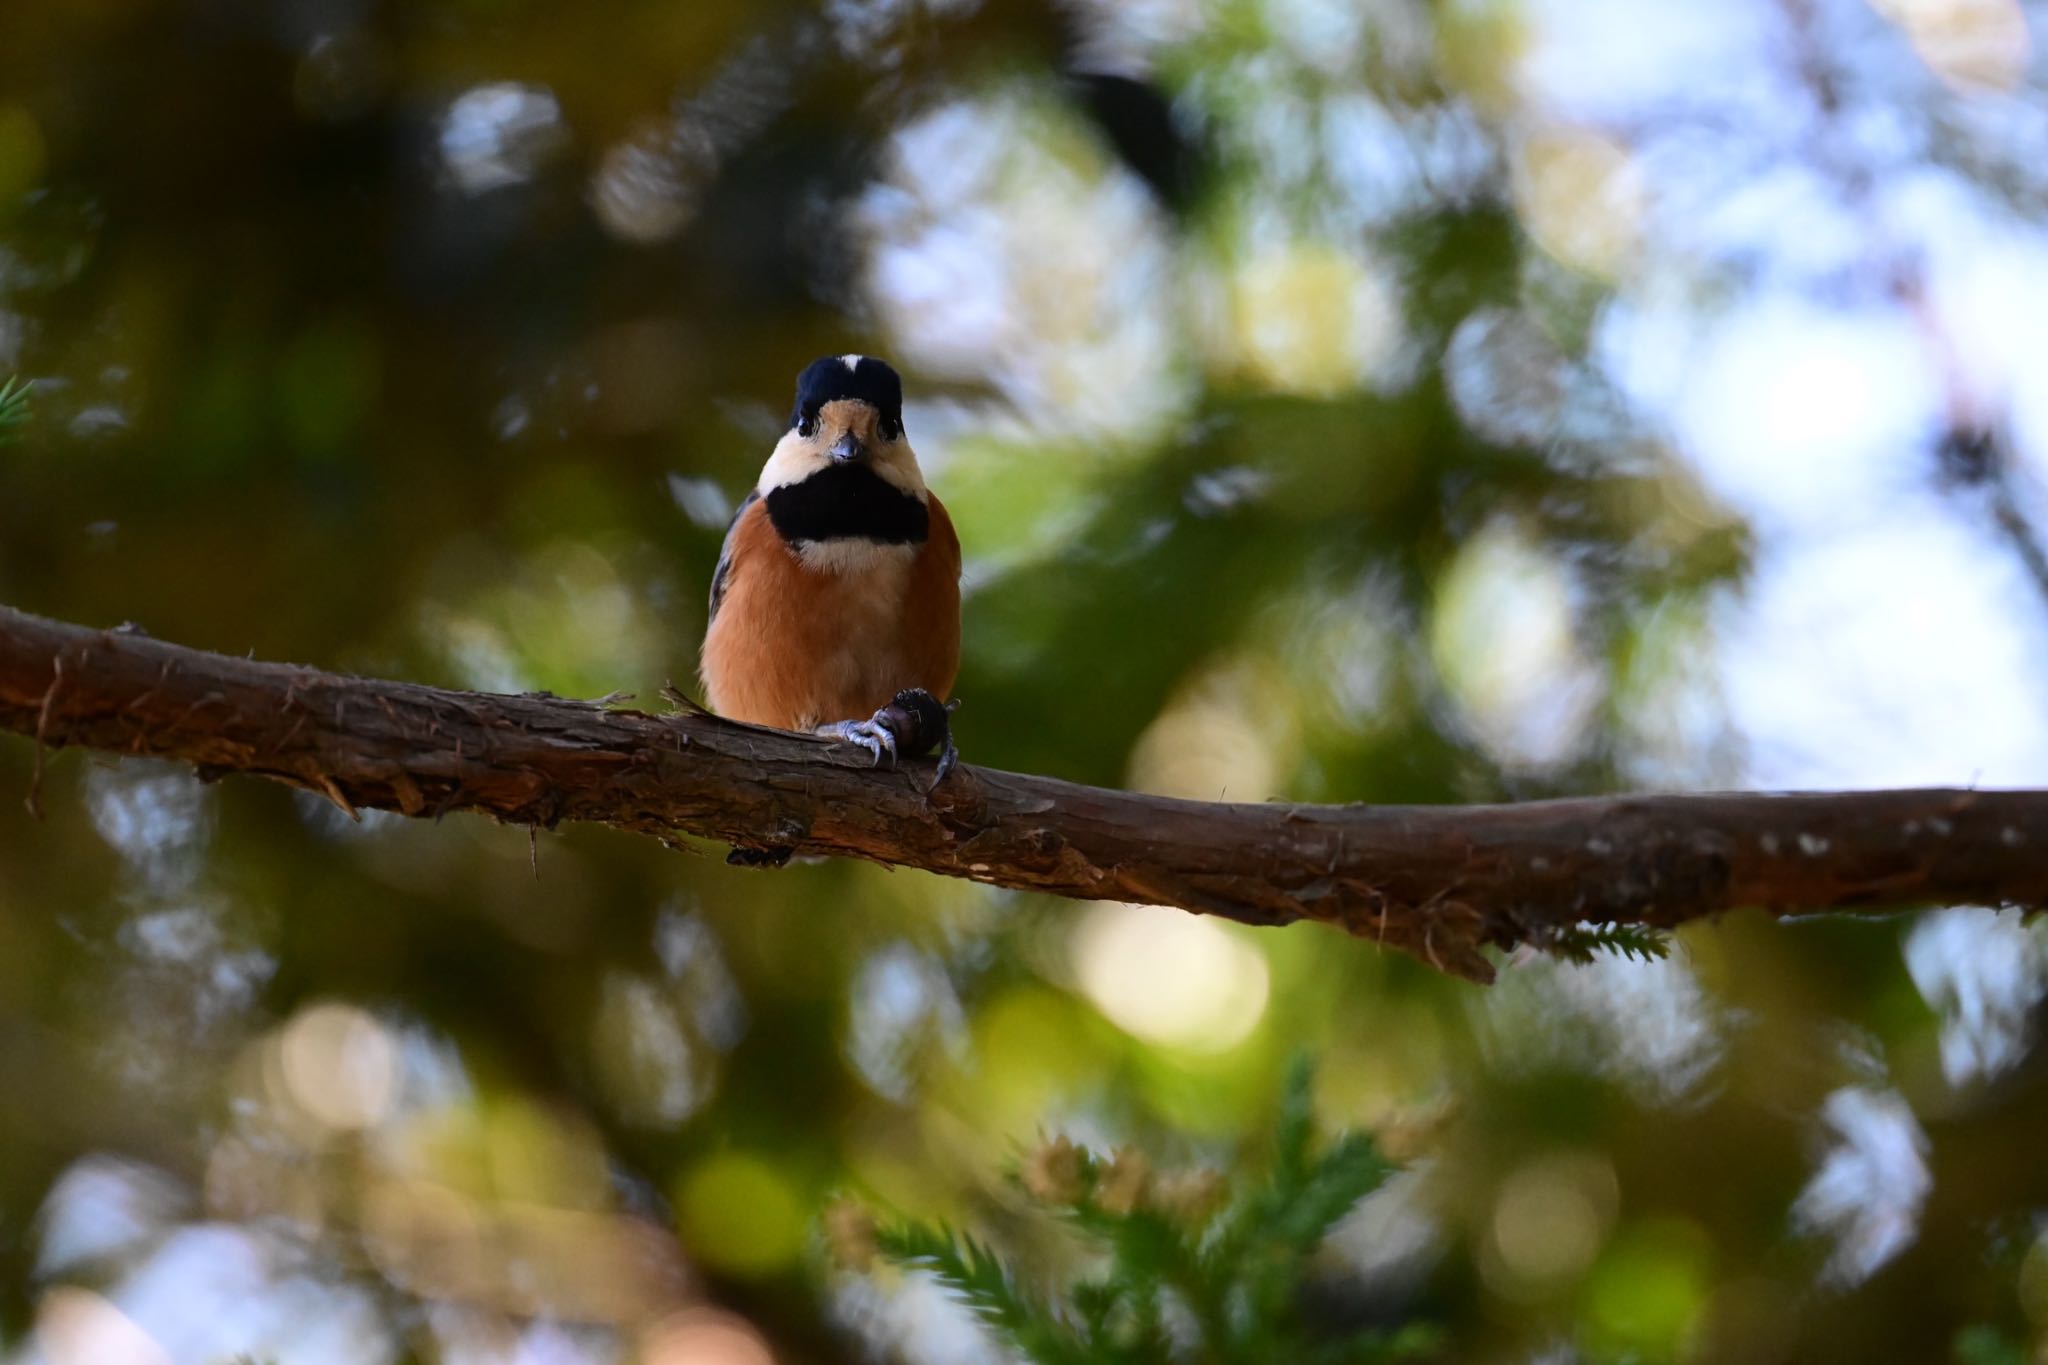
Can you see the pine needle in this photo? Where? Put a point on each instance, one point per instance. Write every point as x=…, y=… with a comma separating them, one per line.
x=1167, y=1284
x=977, y=1275
x=1581, y=943
x=14, y=408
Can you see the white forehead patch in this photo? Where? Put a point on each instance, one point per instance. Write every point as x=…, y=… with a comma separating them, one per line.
x=851, y=362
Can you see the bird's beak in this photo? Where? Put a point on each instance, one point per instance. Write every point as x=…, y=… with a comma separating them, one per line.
x=847, y=447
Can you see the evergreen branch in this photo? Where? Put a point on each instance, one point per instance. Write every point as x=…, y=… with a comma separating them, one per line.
x=1296, y=1123
x=1352, y=1168
x=1095, y=1301
x=1250, y=1219
x=14, y=408
x=1230, y=1285
x=1149, y=1252
x=1582, y=942
x=1267, y=1239
x=1147, y=1337
x=977, y=1275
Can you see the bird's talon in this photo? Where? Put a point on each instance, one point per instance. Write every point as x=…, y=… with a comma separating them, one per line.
x=870, y=735
x=920, y=722
x=949, y=755
x=912, y=723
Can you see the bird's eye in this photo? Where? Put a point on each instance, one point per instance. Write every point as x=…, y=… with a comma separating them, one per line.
x=806, y=426
x=891, y=430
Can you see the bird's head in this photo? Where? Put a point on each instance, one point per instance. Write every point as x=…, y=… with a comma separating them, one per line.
x=849, y=413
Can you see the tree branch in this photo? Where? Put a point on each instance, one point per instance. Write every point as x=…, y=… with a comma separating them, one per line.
x=1440, y=882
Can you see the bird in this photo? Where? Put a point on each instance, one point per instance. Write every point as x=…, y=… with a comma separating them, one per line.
x=835, y=605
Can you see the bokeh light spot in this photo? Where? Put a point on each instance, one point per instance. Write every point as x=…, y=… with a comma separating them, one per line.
x=1648, y=1290
x=1028, y=1048
x=740, y=1214
x=339, y=1066
x=1503, y=635
x=1549, y=1220
x=1582, y=196
x=1169, y=977
x=1869, y=1188
x=644, y=1055
x=78, y=1327
x=498, y=135
x=2033, y=1282
x=1312, y=320
x=1968, y=43
x=545, y=1154
x=704, y=1336
x=1221, y=737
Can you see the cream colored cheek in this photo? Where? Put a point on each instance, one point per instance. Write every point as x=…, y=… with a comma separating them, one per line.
x=795, y=459
x=899, y=467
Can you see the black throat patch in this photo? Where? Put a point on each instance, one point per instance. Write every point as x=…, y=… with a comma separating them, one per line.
x=847, y=502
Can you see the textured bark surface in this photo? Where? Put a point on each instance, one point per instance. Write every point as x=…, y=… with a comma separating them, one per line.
x=1438, y=881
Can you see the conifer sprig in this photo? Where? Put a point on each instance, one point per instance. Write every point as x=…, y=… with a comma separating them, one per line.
x=14, y=409
x=979, y=1277
x=1184, y=1268
x=1582, y=942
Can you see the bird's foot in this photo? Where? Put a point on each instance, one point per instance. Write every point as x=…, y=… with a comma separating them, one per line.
x=913, y=723
x=873, y=734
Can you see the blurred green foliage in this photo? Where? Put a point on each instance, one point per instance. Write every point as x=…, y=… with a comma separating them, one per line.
x=14, y=408
x=436, y=340
x=1235, y=1266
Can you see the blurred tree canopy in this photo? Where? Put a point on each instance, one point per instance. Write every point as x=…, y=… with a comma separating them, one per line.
x=1384, y=402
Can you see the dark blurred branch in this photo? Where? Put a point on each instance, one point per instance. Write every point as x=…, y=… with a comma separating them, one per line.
x=2020, y=532
x=1439, y=882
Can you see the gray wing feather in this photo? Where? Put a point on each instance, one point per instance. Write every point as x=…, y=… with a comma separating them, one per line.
x=722, y=575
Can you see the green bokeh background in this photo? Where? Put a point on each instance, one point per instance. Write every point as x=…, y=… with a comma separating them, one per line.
x=304, y=394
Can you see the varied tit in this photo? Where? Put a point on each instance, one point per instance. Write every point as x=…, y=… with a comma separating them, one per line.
x=837, y=595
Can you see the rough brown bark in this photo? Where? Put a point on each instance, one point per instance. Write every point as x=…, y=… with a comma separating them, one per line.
x=1437, y=881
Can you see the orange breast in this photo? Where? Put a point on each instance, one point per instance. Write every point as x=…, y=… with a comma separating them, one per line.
x=798, y=645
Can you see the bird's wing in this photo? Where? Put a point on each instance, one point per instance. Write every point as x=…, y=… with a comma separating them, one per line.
x=722, y=575
x=932, y=606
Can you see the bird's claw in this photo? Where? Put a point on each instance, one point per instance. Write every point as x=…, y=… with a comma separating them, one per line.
x=911, y=724
x=949, y=752
x=873, y=735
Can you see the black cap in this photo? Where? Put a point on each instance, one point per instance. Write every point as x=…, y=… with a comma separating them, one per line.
x=863, y=377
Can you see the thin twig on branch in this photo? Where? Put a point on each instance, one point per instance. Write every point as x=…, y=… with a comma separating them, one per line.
x=1440, y=882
